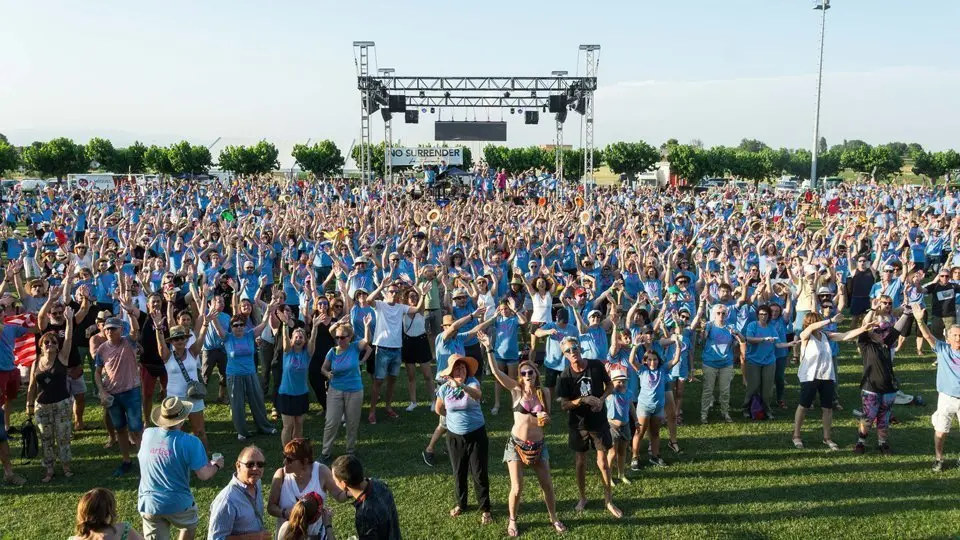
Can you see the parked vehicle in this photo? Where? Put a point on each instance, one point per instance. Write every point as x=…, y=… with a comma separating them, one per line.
x=28, y=185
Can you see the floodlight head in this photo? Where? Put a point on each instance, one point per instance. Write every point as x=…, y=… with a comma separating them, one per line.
x=386, y=71
x=821, y=4
x=559, y=72
x=589, y=47
x=363, y=44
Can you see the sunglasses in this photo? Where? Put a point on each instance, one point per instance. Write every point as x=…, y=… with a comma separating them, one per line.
x=571, y=349
x=253, y=464
x=861, y=260
x=393, y=291
x=343, y=337
x=238, y=325
x=527, y=373
x=179, y=338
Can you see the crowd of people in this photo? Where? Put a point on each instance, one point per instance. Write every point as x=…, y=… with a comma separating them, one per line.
x=603, y=306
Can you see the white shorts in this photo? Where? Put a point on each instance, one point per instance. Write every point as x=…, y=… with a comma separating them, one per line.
x=948, y=407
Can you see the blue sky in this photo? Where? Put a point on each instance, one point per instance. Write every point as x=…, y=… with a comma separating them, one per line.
x=243, y=70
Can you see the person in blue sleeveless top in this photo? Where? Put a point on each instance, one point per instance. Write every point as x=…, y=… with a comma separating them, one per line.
x=719, y=340
x=506, y=343
x=653, y=373
x=293, y=397
x=243, y=384
x=345, y=395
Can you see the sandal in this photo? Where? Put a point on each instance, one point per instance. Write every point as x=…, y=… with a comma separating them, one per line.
x=67, y=473
x=512, y=528
x=486, y=518
x=798, y=444
x=559, y=527
x=14, y=479
x=456, y=512
x=834, y=447
x=675, y=447
x=47, y=477
x=109, y=444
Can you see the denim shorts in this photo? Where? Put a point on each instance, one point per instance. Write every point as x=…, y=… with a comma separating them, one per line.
x=387, y=363
x=126, y=411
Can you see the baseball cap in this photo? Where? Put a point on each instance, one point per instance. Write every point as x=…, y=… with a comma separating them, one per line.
x=113, y=322
x=888, y=268
x=823, y=290
x=457, y=293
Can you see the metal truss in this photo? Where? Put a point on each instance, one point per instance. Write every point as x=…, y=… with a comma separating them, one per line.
x=478, y=101
x=472, y=84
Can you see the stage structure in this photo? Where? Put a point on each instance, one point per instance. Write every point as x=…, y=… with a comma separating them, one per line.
x=408, y=95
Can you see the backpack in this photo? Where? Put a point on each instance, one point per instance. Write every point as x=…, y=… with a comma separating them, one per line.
x=756, y=408
x=31, y=443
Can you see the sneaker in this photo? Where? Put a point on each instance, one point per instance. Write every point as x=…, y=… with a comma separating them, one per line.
x=746, y=413
x=703, y=420
x=635, y=465
x=727, y=419
x=770, y=416
x=885, y=449
x=782, y=404
x=428, y=458
x=325, y=459
x=411, y=406
x=657, y=461
x=625, y=480
x=392, y=414
x=860, y=449
x=241, y=438
x=123, y=469
x=938, y=465
x=494, y=411
x=858, y=413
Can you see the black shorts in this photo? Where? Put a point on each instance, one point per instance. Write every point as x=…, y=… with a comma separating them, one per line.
x=826, y=389
x=292, y=405
x=581, y=440
x=475, y=351
x=912, y=329
x=372, y=360
x=416, y=350
x=551, y=376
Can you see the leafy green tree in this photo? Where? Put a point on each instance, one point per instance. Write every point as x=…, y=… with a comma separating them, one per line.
x=322, y=159
x=188, y=159
x=828, y=164
x=57, y=157
x=899, y=148
x=885, y=161
x=822, y=146
x=9, y=156
x=667, y=146
x=926, y=164
x=752, y=145
x=101, y=151
x=467, y=159
x=266, y=154
x=858, y=159
x=495, y=156
x=913, y=149
x=688, y=162
x=133, y=157
x=3, y=138
x=200, y=159
x=157, y=159
x=799, y=164
x=630, y=158
x=949, y=160
x=753, y=166
x=235, y=159
x=377, y=156
x=775, y=161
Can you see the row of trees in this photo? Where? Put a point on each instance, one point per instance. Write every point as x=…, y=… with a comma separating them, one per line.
x=750, y=160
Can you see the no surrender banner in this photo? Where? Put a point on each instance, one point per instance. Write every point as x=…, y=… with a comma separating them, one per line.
x=425, y=156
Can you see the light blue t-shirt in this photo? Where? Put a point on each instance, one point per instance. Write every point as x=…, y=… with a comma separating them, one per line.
x=295, y=366
x=653, y=384
x=948, y=369
x=507, y=343
x=240, y=351
x=761, y=354
x=444, y=349
x=166, y=459
x=618, y=406
x=8, y=338
x=463, y=412
x=594, y=343
x=718, y=346
x=345, y=367
x=553, y=358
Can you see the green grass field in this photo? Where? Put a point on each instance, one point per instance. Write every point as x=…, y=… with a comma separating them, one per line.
x=741, y=480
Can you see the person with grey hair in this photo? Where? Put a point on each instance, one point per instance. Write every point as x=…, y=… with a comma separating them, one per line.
x=717, y=360
x=583, y=389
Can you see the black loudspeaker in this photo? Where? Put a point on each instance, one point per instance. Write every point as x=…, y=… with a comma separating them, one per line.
x=558, y=103
x=398, y=103
x=581, y=106
x=562, y=116
x=532, y=117
x=374, y=106
x=412, y=117
x=386, y=114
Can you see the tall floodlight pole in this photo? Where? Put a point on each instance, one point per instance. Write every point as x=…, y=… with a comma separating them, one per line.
x=558, y=165
x=363, y=67
x=823, y=6
x=590, y=72
x=387, y=135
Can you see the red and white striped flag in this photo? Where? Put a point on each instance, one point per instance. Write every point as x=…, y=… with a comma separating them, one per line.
x=25, y=347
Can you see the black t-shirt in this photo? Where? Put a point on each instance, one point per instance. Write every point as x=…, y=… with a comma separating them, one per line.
x=150, y=358
x=878, y=363
x=80, y=330
x=324, y=344
x=592, y=381
x=944, y=298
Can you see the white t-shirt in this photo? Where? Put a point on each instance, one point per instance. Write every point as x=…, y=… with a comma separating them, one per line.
x=389, y=330
x=816, y=360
